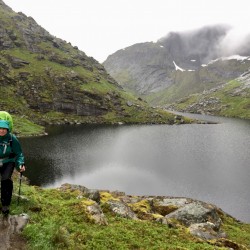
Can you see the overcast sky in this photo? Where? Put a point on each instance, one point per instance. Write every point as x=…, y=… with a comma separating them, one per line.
x=101, y=27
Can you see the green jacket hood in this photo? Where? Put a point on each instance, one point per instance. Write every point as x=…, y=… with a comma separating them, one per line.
x=4, y=124
x=5, y=116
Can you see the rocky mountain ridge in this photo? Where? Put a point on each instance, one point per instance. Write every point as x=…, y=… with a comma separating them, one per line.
x=179, y=64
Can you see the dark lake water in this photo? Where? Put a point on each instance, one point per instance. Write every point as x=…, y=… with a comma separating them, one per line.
x=206, y=162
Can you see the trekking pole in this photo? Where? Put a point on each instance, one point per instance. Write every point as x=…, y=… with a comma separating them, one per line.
x=19, y=191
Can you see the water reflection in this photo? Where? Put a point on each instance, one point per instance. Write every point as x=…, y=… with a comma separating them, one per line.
x=206, y=162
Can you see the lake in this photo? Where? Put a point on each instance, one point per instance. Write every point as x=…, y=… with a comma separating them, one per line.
x=208, y=162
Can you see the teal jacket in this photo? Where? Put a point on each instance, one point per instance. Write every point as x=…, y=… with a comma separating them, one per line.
x=10, y=150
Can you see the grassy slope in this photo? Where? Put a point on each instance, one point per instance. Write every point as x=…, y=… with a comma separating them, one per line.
x=47, y=78
x=189, y=83
x=235, y=106
x=58, y=221
x=27, y=120
x=231, y=105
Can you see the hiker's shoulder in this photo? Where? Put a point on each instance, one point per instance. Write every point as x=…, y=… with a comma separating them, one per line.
x=13, y=137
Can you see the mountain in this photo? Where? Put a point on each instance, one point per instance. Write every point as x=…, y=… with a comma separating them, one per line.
x=180, y=64
x=46, y=80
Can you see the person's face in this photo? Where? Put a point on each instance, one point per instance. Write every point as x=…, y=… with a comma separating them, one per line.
x=3, y=131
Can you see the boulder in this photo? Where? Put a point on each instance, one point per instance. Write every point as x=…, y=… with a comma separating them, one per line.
x=122, y=209
x=96, y=214
x=17, y=63
x=196, y=212
x=92, y=194
x=167, y=205
x=206, y=231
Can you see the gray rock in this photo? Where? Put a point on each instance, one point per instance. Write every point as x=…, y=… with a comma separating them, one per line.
x=18, y=222
x=172, y=201
x=10, y=228
x=129, y=104
x=17, y=62
x=196, y=212
x=96, y=214
x=121, y=209
x=92, y=194
x=206, y=231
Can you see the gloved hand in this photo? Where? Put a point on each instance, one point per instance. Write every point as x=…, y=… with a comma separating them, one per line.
x=22, y=168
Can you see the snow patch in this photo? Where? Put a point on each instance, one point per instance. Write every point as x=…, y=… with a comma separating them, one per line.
x=177, y=67
x=233, y=57
x=237, y=57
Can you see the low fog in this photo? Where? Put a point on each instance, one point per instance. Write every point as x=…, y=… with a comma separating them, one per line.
x=209, y=42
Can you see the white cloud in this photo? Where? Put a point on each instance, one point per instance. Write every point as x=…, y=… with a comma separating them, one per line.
x=99, y=28
x=234, y=40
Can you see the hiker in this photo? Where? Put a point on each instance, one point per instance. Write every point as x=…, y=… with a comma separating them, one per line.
x=11, y=157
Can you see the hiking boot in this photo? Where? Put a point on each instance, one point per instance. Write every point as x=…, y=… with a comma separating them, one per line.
x=5, y=210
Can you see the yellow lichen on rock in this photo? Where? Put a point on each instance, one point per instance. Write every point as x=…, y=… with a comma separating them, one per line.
x=106, y=196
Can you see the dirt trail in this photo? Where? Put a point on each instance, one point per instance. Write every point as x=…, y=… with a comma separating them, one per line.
x=10, y=228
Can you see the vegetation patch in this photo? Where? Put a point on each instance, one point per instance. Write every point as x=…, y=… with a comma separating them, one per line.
x=230, y=100
x=58, y=220
x=25, y=127
x=106, y=196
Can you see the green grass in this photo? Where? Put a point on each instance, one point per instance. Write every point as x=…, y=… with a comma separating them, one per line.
x=58, y=220
x=102, y=87
x=35, y=66
x=186, y=83
x=237, y=231
x=230, y=104
x=25, y=127
x=236, y=106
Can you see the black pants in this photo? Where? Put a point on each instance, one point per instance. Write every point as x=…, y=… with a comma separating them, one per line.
x=6, y=183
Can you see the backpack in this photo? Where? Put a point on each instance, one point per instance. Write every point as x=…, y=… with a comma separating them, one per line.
x=7, y=117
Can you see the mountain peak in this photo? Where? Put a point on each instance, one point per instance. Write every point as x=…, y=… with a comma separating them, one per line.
x=181, y=63
x=200, y=44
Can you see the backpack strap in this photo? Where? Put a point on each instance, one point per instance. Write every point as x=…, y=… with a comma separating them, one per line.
x=10, y=141
x=5, y=145
x=12, y=154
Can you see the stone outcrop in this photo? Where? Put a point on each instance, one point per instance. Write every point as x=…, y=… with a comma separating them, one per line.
x=122, y=209
x=95, y=213
x=203, y=220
